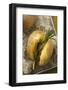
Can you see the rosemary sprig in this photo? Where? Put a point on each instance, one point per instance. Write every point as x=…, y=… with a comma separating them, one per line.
x=50, y=34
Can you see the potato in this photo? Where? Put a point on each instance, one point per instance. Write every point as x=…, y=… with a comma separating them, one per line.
x=28, y=21
x=34, y=39
x=46, y=52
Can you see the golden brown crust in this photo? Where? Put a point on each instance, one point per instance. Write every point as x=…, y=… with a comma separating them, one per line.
x=33, y=40
x=46, y=52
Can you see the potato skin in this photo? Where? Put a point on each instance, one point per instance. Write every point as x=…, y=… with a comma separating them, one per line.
x=46, y=52
x=28, y=21
x=33, y=40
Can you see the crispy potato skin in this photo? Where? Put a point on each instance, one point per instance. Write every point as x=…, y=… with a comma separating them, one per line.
x=46, y=52
x=33, y=40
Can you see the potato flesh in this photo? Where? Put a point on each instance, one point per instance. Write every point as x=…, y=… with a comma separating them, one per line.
x=34, y=39
x=46, y=52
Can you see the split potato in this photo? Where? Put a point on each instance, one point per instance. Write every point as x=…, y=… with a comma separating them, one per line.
x=46, y=52
x=34, y=39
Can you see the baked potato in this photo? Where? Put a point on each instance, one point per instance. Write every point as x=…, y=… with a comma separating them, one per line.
x=34, y=39
x=46, y=52
x=28, y=21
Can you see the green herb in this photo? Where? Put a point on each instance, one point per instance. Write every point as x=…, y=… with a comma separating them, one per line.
x=50, y=33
